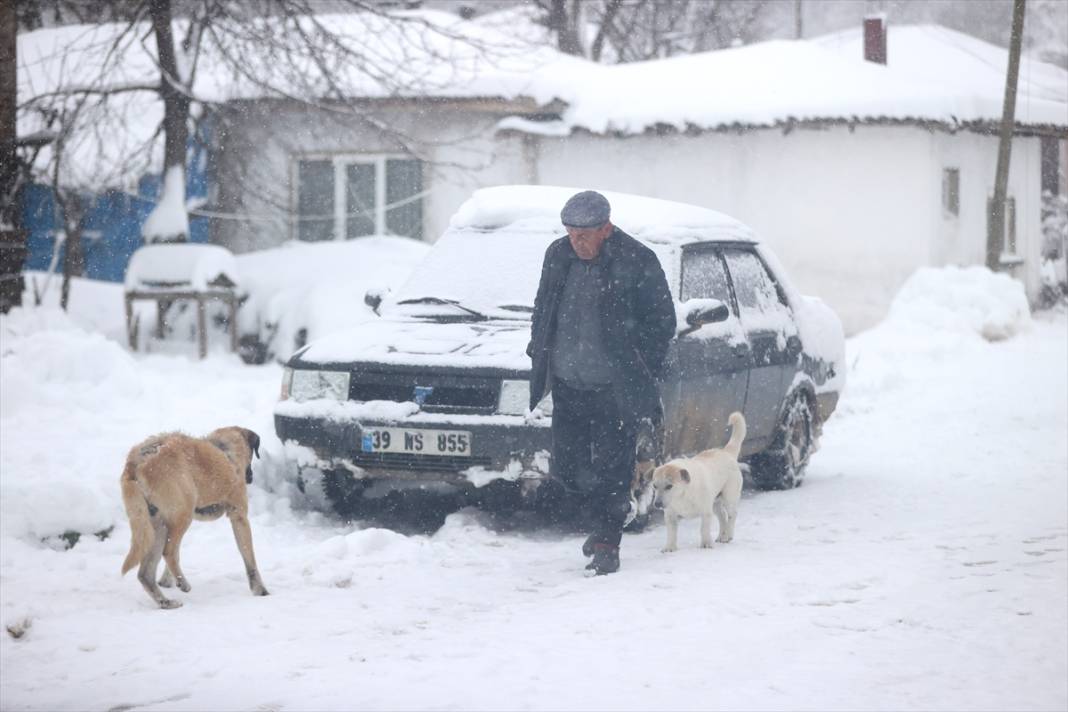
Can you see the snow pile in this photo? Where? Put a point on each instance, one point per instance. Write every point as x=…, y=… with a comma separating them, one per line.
x=941, y=314
x=181, y=264
x=50, y=367
x=968, y=300
x=317, y=288
x=73, y=402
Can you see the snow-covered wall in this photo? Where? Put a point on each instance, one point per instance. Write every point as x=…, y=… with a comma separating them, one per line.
x=961, y=240
x=264, y=142
x=851, y=213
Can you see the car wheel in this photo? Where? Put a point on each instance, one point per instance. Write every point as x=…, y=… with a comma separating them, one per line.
x=344, y=492
x=648, y=454
x=782, y=466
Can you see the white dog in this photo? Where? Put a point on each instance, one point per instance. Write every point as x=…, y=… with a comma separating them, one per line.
x=698, y=486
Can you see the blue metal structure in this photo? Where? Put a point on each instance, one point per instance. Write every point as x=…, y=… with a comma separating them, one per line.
x=112, y=224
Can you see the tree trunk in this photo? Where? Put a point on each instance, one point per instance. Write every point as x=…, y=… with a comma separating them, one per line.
x=565, y=23
x=12, y=239
x=995, y=232
x=73, y=212
x=168, y=222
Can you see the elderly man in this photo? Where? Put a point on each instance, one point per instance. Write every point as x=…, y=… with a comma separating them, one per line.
x=603, y=317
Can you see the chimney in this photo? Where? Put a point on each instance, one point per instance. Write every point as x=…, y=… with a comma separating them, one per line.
x=875, y=38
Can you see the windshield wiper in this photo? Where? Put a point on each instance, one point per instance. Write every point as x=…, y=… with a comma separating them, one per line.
x=451, y=302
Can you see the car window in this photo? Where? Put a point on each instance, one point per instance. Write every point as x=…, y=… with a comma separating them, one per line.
x=704, y=276
x=754, y=288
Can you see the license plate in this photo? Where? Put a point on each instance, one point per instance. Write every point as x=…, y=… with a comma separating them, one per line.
x=456, y=443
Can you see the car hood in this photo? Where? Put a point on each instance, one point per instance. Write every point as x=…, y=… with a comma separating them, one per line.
x=492, y=344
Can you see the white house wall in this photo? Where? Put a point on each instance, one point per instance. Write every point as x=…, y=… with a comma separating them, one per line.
x=850, y=213
x=260, y=150
x=962, y=240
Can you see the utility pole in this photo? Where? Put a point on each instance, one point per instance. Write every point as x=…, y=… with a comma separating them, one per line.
x=799, y=27
x=995, y=222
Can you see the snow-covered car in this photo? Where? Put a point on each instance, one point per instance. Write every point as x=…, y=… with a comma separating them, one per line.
x=435, y=388
x=302, y=290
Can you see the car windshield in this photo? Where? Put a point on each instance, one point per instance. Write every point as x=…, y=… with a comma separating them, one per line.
x=474, y=273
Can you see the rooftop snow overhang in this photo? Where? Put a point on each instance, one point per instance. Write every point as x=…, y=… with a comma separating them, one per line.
x=561, y=129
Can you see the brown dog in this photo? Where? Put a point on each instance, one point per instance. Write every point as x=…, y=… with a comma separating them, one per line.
x=172, y=479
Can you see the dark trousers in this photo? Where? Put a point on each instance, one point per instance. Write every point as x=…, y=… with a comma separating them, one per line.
x=593, y=453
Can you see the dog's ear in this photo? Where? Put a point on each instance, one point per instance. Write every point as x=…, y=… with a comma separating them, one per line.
x=253, y=441
x=684, y=475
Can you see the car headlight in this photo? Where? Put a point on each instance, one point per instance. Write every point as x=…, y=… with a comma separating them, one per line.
x=306, y=384
x=515, y=397
x=287, y=382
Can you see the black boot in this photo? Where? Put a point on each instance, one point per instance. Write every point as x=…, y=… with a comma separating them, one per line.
x=605, y=559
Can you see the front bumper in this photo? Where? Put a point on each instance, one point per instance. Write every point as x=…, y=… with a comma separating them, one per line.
x=508, y=447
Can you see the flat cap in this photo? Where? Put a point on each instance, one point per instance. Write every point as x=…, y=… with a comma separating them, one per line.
x=586, y=209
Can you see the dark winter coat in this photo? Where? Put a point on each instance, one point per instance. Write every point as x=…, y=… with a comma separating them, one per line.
x=637, y=319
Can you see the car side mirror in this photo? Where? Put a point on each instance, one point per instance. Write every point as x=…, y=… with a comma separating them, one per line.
x=708, y=313
x=699, y=312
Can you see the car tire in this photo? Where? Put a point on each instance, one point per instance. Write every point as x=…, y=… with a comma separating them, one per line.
x=782, y=465
x=344, y=492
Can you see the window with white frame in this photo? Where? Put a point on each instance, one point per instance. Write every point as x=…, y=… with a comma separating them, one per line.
x=345, y=196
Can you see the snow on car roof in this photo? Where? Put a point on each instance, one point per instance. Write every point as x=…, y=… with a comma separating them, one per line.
x=648, y=219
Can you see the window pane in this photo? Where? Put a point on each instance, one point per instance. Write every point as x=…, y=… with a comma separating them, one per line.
x=704, y=277
x=753, y=286
x=404, y=179
x=315, y=200
x=951, y=191
x=360, y=200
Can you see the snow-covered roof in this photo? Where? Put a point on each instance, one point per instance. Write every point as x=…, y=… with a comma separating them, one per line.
x=934, y=75
x=182, y=266
x=937, y=54
x=428, y=53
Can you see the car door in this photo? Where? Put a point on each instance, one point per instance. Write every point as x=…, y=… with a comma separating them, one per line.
x=771, y=332
x=708, y=367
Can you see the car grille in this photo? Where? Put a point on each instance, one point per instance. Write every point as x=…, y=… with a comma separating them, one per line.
x=404, y=461
x=450, y=394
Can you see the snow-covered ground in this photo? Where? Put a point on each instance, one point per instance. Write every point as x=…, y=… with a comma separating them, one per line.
x=922, y=565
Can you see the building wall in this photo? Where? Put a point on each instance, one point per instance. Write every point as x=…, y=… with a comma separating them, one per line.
x=848, y=212
x=851, y=213
x=258, y=151
x=962, y=240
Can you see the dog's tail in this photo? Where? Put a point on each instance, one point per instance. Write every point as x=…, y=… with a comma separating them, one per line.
x=142, y=534
x=737, y=423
